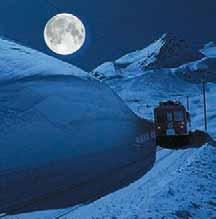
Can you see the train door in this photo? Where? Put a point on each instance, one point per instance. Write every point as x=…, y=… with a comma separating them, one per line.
x=170, y=124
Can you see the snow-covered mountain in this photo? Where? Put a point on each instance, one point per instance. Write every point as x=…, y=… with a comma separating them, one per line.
x=166, y=52
x=51, y=117
x=209, y=49
x=173, y=70
x=196, y=72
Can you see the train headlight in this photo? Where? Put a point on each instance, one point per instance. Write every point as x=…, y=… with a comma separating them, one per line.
x=159, y=127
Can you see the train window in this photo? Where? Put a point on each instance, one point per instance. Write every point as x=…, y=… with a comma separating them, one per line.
x=169, y=116
x=179, y=116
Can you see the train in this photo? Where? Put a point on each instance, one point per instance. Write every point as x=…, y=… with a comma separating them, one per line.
x=172, y=122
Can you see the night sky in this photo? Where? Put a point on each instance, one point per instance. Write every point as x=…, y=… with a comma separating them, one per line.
x=114, y=27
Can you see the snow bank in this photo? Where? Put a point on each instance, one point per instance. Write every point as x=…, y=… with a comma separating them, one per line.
x=58, y=132
x=106, y=70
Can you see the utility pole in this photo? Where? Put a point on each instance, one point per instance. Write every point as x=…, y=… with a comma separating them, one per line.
x=188, y=106
x=188, y=110
x=205, y=105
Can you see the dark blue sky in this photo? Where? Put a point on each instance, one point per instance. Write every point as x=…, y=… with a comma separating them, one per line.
x=114, y=27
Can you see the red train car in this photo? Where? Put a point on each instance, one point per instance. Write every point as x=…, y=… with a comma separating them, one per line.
x=171, y=124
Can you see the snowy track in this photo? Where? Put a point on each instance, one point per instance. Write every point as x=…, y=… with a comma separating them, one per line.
x=69, y=211
x=171, y=189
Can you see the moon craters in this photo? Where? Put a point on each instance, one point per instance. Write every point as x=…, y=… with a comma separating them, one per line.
x=64, y=34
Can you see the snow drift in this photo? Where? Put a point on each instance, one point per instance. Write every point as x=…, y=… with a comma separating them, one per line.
x=58, y=123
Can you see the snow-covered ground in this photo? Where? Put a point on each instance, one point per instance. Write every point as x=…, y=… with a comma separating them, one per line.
x=182, y=184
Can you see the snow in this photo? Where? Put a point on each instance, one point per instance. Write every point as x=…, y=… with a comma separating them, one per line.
x=142, y=54
x=143, y=90
x=106, y=70
x=209, y=50
x=166, y=52
x=17, y=61
x=57, y=124
x=181, y=183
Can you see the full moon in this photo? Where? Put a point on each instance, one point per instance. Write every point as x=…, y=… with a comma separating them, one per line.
x=64, y=34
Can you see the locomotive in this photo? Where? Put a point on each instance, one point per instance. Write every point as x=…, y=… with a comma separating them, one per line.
x=171, y=124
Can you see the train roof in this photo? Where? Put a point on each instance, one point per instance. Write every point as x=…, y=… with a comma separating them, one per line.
x=170, y=104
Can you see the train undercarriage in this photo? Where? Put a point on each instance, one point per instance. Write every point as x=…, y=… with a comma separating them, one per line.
x=174, y=141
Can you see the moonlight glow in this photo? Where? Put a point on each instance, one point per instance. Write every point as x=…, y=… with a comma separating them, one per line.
x=64, y=34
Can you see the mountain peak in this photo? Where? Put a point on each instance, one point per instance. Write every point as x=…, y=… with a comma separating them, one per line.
x=167, y=52
x=168, y=36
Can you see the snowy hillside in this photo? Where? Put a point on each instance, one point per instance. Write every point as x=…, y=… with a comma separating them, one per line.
x=167, y=52
x=143, y=89
x=209, y=49
x=17, y=61
x=198, y=71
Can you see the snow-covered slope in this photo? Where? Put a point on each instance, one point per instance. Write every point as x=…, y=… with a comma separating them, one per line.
x=167, y=52
x=17, y=61
x=196, y=72
x=144, y=92
x=209, y=49
x=106, y=70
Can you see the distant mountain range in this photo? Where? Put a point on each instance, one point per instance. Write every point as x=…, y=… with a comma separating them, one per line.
x=168, y=52
x=168, y=68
